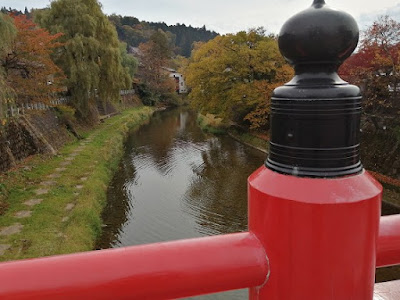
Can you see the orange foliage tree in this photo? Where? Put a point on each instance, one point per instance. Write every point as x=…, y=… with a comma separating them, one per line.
x=155, y=56
x=375, y=66
x=29, y=68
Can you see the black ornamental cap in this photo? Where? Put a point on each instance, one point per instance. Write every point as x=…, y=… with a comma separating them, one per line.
x=318, y=34
x=315, y=118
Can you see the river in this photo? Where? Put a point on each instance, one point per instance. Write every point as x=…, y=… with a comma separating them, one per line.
x=176, y=182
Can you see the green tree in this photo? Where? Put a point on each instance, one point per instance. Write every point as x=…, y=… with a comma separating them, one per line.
x=134, y=32
x=8, y=33
x=161, y=45
x=129, y=62
x=91, y=57
x=233, y=76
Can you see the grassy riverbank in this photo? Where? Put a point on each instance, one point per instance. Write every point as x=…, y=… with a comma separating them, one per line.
x=211, y=124
x=52, y=205
x=249, y=139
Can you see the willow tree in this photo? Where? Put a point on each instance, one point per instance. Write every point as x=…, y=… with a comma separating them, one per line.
x=129, y=62
x=7, y=35
x=233, y=76
x=91, y=57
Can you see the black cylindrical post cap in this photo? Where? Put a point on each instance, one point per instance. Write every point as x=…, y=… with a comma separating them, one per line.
x=318, y=34
x=315, y=118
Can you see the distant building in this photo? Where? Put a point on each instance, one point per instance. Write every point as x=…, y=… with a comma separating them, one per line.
x=391, y=88
x=180, y=83
x=180, y=86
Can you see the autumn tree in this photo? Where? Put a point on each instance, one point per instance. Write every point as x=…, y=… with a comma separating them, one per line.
x=375, y=66
x=156, y=52
x=179, y=63
x=154, y=58
x=28, y=66
x=91, y=56
x=233, y=76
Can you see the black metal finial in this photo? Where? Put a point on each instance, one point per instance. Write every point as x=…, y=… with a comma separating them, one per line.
x=315, y=118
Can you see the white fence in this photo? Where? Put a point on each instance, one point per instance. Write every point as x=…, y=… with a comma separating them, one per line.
x=126, y=92
x=15, y=110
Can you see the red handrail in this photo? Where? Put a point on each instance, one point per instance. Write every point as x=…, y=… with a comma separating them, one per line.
x=388, y=251
x=155, y=271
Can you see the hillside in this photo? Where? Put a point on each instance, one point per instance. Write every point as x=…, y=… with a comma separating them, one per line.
x=133, y=32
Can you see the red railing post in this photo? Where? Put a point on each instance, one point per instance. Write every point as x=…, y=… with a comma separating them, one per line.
x=312, y=206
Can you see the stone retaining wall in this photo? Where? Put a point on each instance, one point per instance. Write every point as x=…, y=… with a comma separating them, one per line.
x=31, y=133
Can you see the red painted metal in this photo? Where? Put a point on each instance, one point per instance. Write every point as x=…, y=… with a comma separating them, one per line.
x=156, y=271
x=388, y=252
x=319, y=234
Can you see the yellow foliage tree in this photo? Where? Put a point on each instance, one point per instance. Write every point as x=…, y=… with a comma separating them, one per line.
x=233, y=76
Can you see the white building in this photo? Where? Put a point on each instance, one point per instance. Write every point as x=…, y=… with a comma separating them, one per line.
x=179, y=80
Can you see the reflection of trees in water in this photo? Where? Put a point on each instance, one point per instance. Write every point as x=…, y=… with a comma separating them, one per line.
x=162, y=132
x=158, y=135
x=154, y=140
x=116, y=212
x=218, y=195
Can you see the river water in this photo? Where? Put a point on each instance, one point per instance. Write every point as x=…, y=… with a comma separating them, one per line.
x=176, y=182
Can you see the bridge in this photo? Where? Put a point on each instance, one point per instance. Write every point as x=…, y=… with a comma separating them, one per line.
x=315, y=230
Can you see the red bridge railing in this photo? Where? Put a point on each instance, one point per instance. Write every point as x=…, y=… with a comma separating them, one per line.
x=388, y=252
x=157, y=271
x=315, y=230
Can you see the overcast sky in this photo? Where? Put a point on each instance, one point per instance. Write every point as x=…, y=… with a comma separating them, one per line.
x=229, y=16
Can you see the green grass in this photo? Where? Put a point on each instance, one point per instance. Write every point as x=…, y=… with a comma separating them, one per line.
x=45, y=233
x=249, y=139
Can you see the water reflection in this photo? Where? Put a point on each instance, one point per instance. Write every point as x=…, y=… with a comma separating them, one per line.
x=118, y=203
x=217, y=198
x=176, y=182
